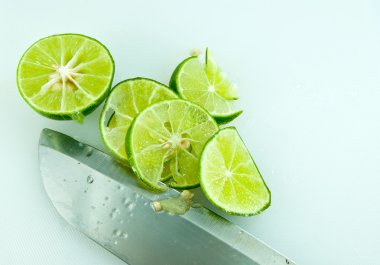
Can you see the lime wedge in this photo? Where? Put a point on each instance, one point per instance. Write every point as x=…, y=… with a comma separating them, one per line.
x=206, y=85
x=127, y=99
x=218, y=80
x=65, y=76
x=229, y=177
x=169, y=136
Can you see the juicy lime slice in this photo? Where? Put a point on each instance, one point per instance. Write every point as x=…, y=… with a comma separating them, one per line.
x=169, y=136
x=65, y=76
x=127, y=99
x=218, y=79
x=206, y=85
x=230, y=178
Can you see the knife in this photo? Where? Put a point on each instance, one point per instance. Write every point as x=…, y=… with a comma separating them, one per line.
x=101, y=198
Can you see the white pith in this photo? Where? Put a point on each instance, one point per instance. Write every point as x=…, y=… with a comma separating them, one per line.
x=175, y=142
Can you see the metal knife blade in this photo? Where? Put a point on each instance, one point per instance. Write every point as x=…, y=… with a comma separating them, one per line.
x=102, y=199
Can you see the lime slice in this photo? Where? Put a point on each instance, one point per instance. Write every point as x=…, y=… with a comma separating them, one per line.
x=206, y=85
x=126, y=100
x=229, y=176
x=169, y=136
x=218, y=80
x=65, y=76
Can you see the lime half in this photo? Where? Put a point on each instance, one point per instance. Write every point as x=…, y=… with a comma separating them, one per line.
x=229, y=176
x=169, y=136
x=65, y=76
x=126, y=100
x=206, y=85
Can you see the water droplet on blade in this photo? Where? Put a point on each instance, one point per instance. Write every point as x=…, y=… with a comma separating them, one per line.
x=116, y=233
x=114, y=212
x=89, y=151
x=131, y=206
x=90, y=179
x=126, y=201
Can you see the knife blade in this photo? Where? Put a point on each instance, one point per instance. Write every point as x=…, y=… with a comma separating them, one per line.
x=97, y=195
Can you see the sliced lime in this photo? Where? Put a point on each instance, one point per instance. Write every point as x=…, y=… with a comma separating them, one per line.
x=169, y=136
x=206, y=85
x=127, y=99
x=65, y=76
x=218, y=80
x=229, y=176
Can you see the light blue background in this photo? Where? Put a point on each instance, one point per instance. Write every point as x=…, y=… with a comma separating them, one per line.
x=308, y=76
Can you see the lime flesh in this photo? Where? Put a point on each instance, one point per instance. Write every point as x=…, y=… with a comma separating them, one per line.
x=207, y=86
x=218, y=80
x=169, y=136
x=229, y=176
x=126, y=100
x=65, y=76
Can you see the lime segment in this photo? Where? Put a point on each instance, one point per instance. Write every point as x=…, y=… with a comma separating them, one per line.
x=169, y=136
x=218, y=80
x=65, y=76
x=207, y=86
x=229, y=176
x=127, y=99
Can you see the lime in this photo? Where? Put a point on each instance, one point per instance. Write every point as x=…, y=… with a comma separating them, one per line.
x=126, y=100
x=206, y=85
x=65, y=76
x=230, y=178
x=169, y=136
x=218, y=80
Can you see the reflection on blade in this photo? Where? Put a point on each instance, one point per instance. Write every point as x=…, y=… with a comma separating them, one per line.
x=102, y=199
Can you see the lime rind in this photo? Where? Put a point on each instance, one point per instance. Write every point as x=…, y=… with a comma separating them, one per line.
x=39, y=71
x=227, y=119
x=156, y=135
x=193, y=80
x=229, y=176
x=126, y=100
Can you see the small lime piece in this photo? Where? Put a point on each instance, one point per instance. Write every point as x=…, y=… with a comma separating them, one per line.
x=206, y=85
x=126, y=100
x=218, y=79
x=65, y=76
x=229, y=176
x=175, y=205
x=169, y=136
